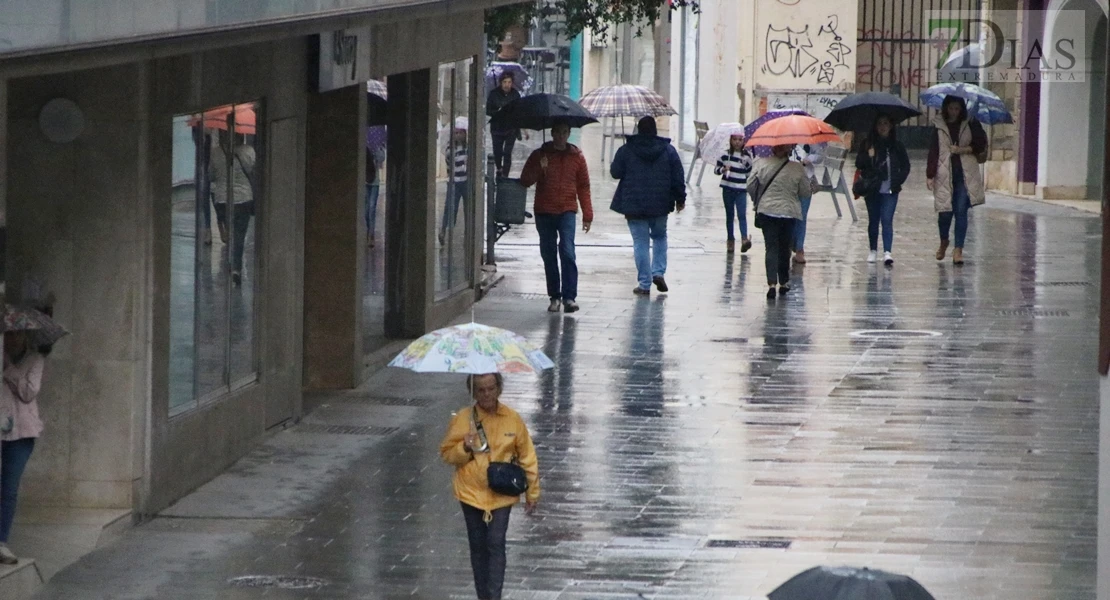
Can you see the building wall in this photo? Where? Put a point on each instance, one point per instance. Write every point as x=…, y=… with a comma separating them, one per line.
x=77, y=223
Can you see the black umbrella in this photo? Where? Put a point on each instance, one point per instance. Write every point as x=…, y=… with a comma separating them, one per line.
x=377, y=110
x=858, y=112
x=541, y=111
x=849, y=583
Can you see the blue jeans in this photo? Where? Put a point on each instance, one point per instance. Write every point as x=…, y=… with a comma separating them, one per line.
x=961, y=203
x=13, y=459
x=649, y=247
x=800, y=225
x=736, y=203
x=372, y=190
x=557, y=246
x=880, y=210
x=456, y=195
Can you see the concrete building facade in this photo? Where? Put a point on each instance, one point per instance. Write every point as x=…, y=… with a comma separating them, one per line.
x=180, y=358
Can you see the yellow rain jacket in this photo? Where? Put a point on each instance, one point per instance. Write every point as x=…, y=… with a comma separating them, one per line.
x=508, y=437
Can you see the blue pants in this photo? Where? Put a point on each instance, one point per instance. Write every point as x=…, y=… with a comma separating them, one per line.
x=372, y=190
x=800, y=225
x=649, y=247
x=456, y=195
x=880, y=210
x=13, y=459
x=736, y=205
x=961, y=203
x=557, y=246
x=487, y=549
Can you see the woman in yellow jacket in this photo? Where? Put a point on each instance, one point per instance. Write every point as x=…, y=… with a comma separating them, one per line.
x=486, y=512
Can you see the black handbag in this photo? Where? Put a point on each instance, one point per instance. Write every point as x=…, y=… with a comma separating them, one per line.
x=505, y=478
x=868, y=184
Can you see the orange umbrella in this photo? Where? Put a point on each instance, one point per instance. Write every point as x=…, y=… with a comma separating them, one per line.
x=794, y=129
x=217, y=118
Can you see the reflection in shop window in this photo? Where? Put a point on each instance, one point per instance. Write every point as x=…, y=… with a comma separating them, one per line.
x=453, y=181
x=216, y=195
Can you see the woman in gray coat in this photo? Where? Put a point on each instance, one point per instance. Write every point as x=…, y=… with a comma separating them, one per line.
x=782, y=184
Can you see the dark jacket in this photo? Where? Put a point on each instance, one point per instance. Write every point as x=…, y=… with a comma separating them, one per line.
x=496, y=100
x=886, y=149
x=651, y=178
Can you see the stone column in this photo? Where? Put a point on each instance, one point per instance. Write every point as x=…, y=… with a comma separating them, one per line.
x=335, y=183
x=410, y=216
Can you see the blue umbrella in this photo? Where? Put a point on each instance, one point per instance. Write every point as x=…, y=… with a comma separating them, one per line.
x=982, y=104
x=749, y=129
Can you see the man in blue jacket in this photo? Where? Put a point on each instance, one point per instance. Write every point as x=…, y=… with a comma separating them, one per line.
x=652, y=186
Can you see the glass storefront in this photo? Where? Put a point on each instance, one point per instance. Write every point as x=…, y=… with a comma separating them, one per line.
x=373, y=216
x=454, y=171
x=216, y=197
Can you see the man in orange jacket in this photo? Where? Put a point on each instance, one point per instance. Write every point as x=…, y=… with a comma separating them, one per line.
x=562, y=179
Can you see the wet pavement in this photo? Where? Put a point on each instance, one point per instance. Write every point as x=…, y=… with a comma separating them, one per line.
x=935, y=420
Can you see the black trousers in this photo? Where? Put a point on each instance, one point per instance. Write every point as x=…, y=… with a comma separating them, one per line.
x=778, y=238
x=503, y=144
x=240, y=221
x=487, y=549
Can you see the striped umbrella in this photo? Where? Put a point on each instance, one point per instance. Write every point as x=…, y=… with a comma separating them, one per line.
x=794, y=129
x=983, y=105
x=625, y=101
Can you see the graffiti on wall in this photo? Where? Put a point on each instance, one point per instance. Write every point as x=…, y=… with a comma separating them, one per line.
x=814, y=53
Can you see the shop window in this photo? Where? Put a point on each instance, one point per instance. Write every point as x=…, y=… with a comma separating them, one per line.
x=217, y=195
x=455, y=171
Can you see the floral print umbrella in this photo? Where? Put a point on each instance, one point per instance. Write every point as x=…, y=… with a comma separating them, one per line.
x=472, y=349
x=43, y=330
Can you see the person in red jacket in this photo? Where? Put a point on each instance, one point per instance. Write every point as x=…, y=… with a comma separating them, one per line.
x=559, y=172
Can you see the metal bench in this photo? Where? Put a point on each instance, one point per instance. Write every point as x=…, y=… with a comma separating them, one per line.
x=700, y=129
x=833, y=180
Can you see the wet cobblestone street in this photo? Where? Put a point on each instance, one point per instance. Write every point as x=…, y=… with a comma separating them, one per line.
x=934, y=420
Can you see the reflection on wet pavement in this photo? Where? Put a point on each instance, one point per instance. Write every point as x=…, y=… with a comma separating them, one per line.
x=708, y=443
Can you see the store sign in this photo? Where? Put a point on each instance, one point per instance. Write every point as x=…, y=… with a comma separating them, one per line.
x=344, y=59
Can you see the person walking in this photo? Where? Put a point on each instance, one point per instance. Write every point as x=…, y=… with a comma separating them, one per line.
x=242, y=200
x=558, y=170
x=374, y=158
x=809, y=158
x=488, y=431
x=652, y=186
x=885, y=165
x=781, y=185
x=734, y=168
x=21, y=426
x=458, y=181
x=503, y=139
x=952, y=172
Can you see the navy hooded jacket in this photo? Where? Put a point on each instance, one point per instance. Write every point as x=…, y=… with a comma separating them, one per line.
x=651, y=178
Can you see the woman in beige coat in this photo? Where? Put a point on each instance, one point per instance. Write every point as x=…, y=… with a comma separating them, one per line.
x=783, y=184
x=953, y=173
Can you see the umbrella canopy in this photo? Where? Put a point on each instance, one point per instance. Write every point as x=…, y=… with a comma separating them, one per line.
x=42, y=329
x=217, y=118
x=376, y=138
x=626, y=101
x=377, y=110
x=473, y=349
x=858, y=112
x=749, y=129
x=717, y=141
x=849, y=583
x=522, y=81
x=963, y=64
x=793, y=129
x=983, y=105
x=377, y=88
x=541, y=111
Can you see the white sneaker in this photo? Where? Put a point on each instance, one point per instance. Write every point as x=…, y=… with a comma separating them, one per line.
x=7, y=557
x=888, y=259
x=871, y=256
